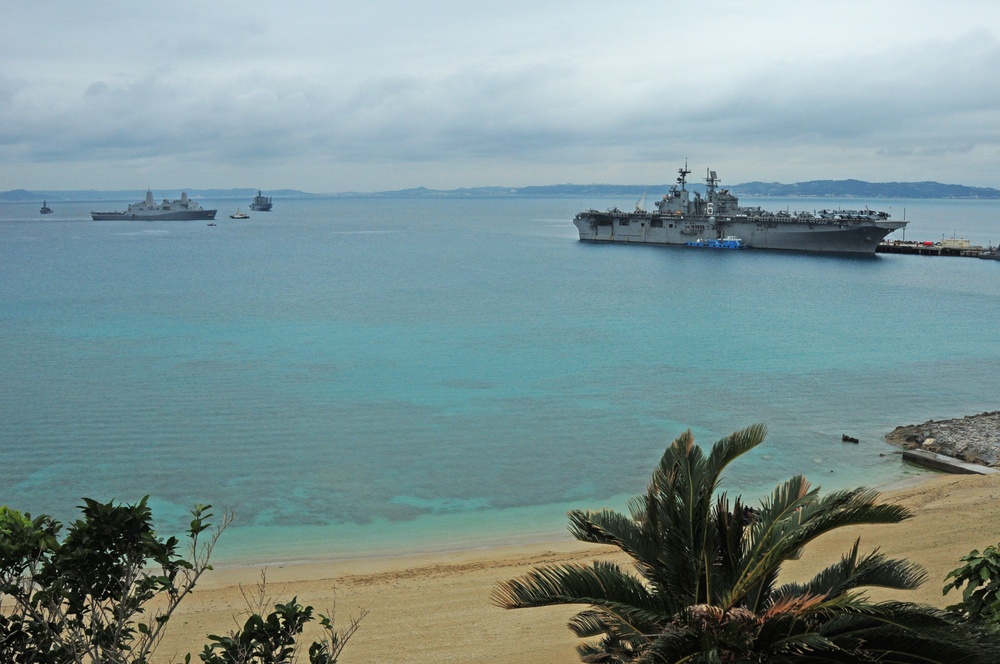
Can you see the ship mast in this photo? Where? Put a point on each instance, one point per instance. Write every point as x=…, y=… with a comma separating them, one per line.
x=711, y=182
x=684, y=172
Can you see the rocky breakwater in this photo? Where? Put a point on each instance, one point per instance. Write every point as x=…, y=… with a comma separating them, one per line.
x=973, y=438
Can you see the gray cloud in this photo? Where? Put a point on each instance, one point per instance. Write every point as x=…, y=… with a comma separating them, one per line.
x=448, y=94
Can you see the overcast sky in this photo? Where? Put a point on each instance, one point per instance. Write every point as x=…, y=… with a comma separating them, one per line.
x=365, y=96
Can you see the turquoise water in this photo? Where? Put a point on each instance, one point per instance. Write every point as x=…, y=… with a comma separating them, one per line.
x=374, y=377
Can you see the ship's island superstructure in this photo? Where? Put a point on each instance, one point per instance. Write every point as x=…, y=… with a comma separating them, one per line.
x=180, y=209
x=680, y=219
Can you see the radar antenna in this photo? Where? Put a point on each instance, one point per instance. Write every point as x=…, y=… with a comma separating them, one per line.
x=712, y=179
x=684, y=172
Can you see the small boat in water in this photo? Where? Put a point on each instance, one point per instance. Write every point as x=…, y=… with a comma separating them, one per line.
x=239, y=215
x=728, y=242
x=45, y=209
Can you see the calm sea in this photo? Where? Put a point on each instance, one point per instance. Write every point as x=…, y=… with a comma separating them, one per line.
x=373, y=377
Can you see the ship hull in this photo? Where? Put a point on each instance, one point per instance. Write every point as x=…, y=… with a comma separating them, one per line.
x=174, y=215
x=791, y=234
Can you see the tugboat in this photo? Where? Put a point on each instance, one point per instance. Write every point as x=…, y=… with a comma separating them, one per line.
x=239, y=215
x=45, y=209
x=260, y=203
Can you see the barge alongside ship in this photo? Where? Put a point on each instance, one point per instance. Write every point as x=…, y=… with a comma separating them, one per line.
x=680, y=219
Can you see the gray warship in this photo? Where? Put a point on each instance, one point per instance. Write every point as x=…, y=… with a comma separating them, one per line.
x=180, y=209
x=261, y=203
x=681, y=219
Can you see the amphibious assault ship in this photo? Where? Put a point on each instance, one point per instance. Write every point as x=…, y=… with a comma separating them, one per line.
x=180, y=209
x=680, y=219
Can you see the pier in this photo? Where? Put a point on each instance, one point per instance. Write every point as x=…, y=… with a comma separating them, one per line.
x=946, y=247
x=946, y=464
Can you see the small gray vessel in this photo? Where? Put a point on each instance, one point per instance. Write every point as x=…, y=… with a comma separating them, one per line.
x=680, y=219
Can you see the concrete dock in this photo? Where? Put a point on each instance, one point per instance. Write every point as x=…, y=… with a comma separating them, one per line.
x=946, y=464
x=947, y=247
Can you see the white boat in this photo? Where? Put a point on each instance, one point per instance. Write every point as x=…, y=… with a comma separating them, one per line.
x=239, y=215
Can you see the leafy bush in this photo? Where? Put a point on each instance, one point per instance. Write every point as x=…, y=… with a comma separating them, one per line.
x=107, y=591
x=273, y=639
x=981, y=574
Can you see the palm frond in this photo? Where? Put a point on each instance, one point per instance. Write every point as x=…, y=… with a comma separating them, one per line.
x=602, y=526
x=850, y=628
x=801, y=646
x=612, y=649
x=615, y=529
x=784, y=504
x=677, y=513
x=873, y=570
x=675, y=644
x=603, y=585
x=734, y=446
x=782, y=538
x=902, y=632
x=618, y=638
x=824, y=516
x=592, y=622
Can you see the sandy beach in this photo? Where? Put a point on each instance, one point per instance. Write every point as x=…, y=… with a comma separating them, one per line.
x=436, y=608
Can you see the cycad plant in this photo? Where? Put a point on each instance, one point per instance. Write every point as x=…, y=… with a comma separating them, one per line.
x=703, y=583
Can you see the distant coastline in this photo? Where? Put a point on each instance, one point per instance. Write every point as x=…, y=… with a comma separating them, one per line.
x=811, y=189
x=24, y=195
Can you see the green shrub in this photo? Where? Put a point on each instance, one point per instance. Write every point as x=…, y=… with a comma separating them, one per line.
x=105, y=593
x=981, y=575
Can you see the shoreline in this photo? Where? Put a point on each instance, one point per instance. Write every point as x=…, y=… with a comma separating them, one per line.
x=970, y=439
x=557, y=536
x=435, y=607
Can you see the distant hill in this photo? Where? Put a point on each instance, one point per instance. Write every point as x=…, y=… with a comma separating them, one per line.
x=23, y=195
x=861, y=189
x=812, y=189
x=550, y=191
x=544, y=191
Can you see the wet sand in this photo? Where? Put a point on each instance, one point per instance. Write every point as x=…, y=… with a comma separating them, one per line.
x=436, y=608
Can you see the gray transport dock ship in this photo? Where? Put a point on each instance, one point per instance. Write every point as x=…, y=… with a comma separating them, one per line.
x=680, y=219
x=180, y=209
